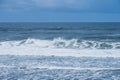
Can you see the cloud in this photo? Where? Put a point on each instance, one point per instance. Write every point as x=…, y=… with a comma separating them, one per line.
x=71, y=5
x=43, y=4
x=60, y=3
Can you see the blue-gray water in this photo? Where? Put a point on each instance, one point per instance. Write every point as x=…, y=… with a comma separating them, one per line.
x=85, y=35
x=81, y=31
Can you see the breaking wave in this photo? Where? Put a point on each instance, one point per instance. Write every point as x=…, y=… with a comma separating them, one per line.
x=63, y=43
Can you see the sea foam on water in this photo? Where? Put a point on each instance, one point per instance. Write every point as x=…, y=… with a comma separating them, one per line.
x=60, y=47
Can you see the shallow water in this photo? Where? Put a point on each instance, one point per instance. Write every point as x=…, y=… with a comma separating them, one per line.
x=58, y=68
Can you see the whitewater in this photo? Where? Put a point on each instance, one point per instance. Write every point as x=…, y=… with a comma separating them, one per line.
x=59, y=51
x=60, y=47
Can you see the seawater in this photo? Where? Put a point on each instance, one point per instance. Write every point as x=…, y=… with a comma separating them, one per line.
x=59, y=51
x=80, y=31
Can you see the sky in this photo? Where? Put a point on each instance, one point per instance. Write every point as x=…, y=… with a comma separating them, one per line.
x=59, y=10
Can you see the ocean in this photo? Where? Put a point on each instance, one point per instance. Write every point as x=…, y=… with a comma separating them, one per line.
x=60, y=51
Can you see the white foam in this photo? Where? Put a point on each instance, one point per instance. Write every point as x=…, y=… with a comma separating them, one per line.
x=62, y=43
x=46, y=48
x=73, y=68
x=6, y=66
x=23, y=50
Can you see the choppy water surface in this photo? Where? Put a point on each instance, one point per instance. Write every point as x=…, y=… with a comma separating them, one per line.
x=58, y=68
x=59, y=51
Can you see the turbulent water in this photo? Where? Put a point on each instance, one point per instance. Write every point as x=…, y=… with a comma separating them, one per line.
x=60, y=51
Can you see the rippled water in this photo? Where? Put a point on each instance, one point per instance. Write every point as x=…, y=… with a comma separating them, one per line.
x=80, y=31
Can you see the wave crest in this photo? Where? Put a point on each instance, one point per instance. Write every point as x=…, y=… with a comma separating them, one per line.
x=63, y=43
